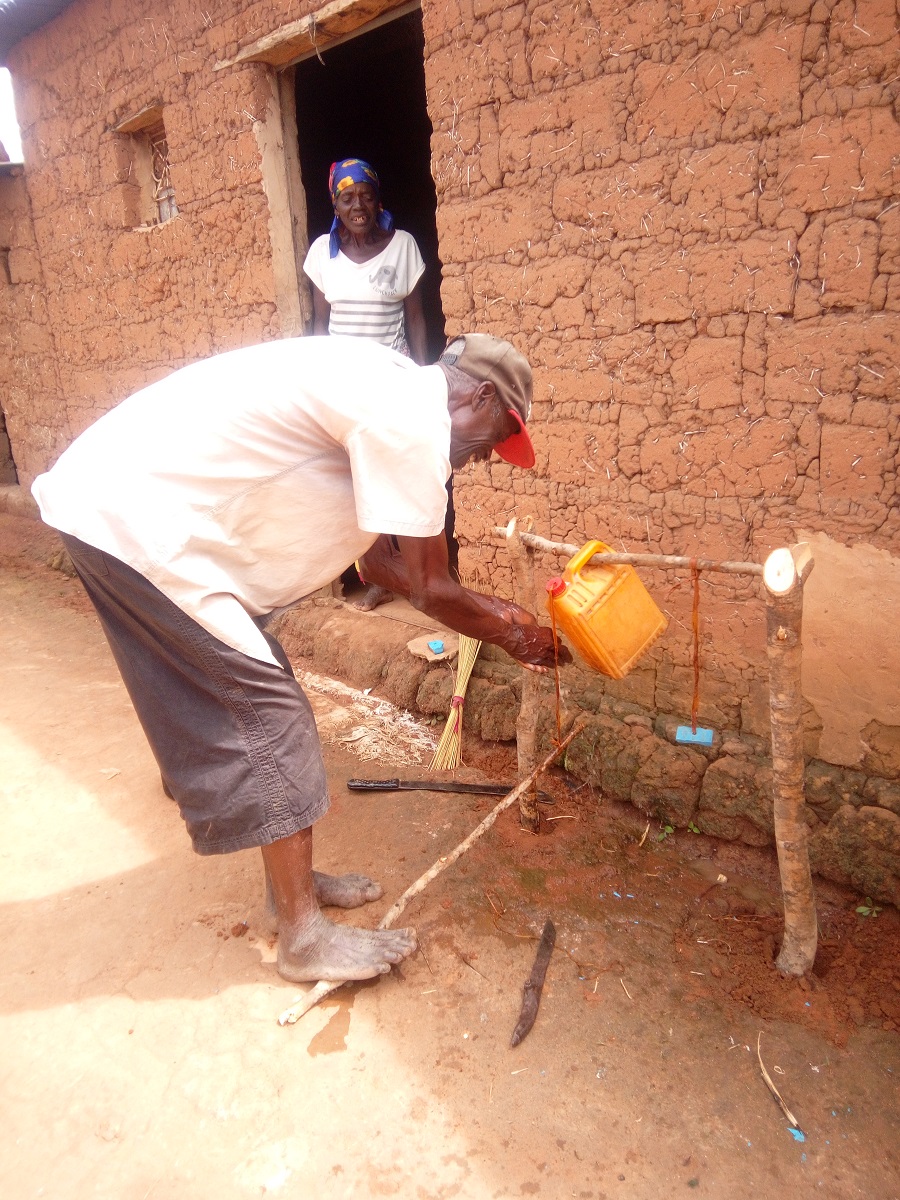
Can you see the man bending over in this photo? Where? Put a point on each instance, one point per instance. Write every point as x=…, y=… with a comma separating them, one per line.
x=234, y=487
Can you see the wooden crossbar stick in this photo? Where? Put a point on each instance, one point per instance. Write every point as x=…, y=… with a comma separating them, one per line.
x=641, y=560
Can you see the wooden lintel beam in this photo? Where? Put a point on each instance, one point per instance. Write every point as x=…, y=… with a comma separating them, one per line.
x=148, y=115
x=311, y=33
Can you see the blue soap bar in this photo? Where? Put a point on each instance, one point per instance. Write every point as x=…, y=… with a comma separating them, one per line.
x=436, y=647
x=698, y=736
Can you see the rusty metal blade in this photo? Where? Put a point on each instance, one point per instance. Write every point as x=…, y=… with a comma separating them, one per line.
x=531, y=993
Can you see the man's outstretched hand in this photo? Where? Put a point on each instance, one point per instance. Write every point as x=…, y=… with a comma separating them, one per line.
x=530, y=643
x=534, y=647
x=419, y=571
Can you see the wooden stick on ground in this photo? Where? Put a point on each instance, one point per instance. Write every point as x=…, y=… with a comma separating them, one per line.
x=322, y=989
x=767, y=1079
x=783, y=576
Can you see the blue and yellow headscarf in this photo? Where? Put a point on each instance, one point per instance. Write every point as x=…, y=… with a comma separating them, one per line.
x=345, y=172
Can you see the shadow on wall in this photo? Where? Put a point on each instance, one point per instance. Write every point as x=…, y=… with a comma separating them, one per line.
x=8, y=473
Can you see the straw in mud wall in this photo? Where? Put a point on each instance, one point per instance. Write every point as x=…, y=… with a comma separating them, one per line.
x=448, y=755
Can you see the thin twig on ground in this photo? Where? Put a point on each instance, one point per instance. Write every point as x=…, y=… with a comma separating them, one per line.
x=772, y=1088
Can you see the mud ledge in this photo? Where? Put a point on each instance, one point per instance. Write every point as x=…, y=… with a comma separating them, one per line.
x=627, y=749
x=18, y=501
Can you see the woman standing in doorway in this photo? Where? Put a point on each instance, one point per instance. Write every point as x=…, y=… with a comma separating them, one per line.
x=365, y=276
x=365, y=273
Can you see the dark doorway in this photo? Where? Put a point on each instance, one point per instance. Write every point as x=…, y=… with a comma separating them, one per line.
x=8, y=473
x=367, y=99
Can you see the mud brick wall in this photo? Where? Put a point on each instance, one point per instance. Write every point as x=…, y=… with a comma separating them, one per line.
x=26, y=360
x=123, y=306
x=686, y=215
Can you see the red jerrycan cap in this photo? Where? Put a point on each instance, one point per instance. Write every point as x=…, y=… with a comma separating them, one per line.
x=556, y=586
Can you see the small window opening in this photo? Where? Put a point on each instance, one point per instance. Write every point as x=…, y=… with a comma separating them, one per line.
x=5, y=276
x=152, y=197
x=163, y=192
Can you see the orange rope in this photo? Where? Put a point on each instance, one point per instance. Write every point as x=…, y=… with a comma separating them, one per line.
x=556, y=669
x=695, y=624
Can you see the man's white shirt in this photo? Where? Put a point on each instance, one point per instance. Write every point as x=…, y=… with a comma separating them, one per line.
x=246, y=481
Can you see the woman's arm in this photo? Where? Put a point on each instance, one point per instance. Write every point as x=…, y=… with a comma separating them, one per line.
x=321, y=311
x=414, y=322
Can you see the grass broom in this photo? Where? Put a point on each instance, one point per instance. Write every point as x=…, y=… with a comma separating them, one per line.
x=448, y=755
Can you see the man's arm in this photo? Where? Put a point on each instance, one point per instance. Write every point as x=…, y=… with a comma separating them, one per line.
x=419, y=572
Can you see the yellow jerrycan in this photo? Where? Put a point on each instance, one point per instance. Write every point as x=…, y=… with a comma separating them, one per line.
x=605, y=611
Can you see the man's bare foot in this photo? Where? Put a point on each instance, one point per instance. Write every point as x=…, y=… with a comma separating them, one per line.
x=337, y=953
x=345, y=891
x=374, y=596
x=335, y=891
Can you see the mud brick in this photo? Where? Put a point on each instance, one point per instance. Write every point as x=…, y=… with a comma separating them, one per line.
x=853, y=460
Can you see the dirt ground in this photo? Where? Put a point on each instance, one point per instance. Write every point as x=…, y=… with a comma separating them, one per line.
x=142, y=1054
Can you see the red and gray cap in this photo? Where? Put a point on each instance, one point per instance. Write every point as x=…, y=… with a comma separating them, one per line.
x=490, y=359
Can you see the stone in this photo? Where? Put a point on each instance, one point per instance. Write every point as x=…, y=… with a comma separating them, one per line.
x=882, y=756
x=585, y=753
x=667, y=784
x=736, y=801
x=609, y=753
x=735, y=748
x=496, y=710
x=435, y=693
x=860, y=847
x=403, y=675
x=828, y=788
x=883, y=793
x=621, y=765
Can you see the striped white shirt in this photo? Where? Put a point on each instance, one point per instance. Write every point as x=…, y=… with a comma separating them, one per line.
x=367, y=298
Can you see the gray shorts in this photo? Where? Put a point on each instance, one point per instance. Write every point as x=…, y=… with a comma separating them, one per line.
x=234, y=737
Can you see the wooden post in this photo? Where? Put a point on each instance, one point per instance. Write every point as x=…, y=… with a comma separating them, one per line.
x=529, y=710
x=783, y=575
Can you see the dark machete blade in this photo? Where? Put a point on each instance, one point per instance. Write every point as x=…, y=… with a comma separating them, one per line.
x=437, y=785
x=531, y=993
